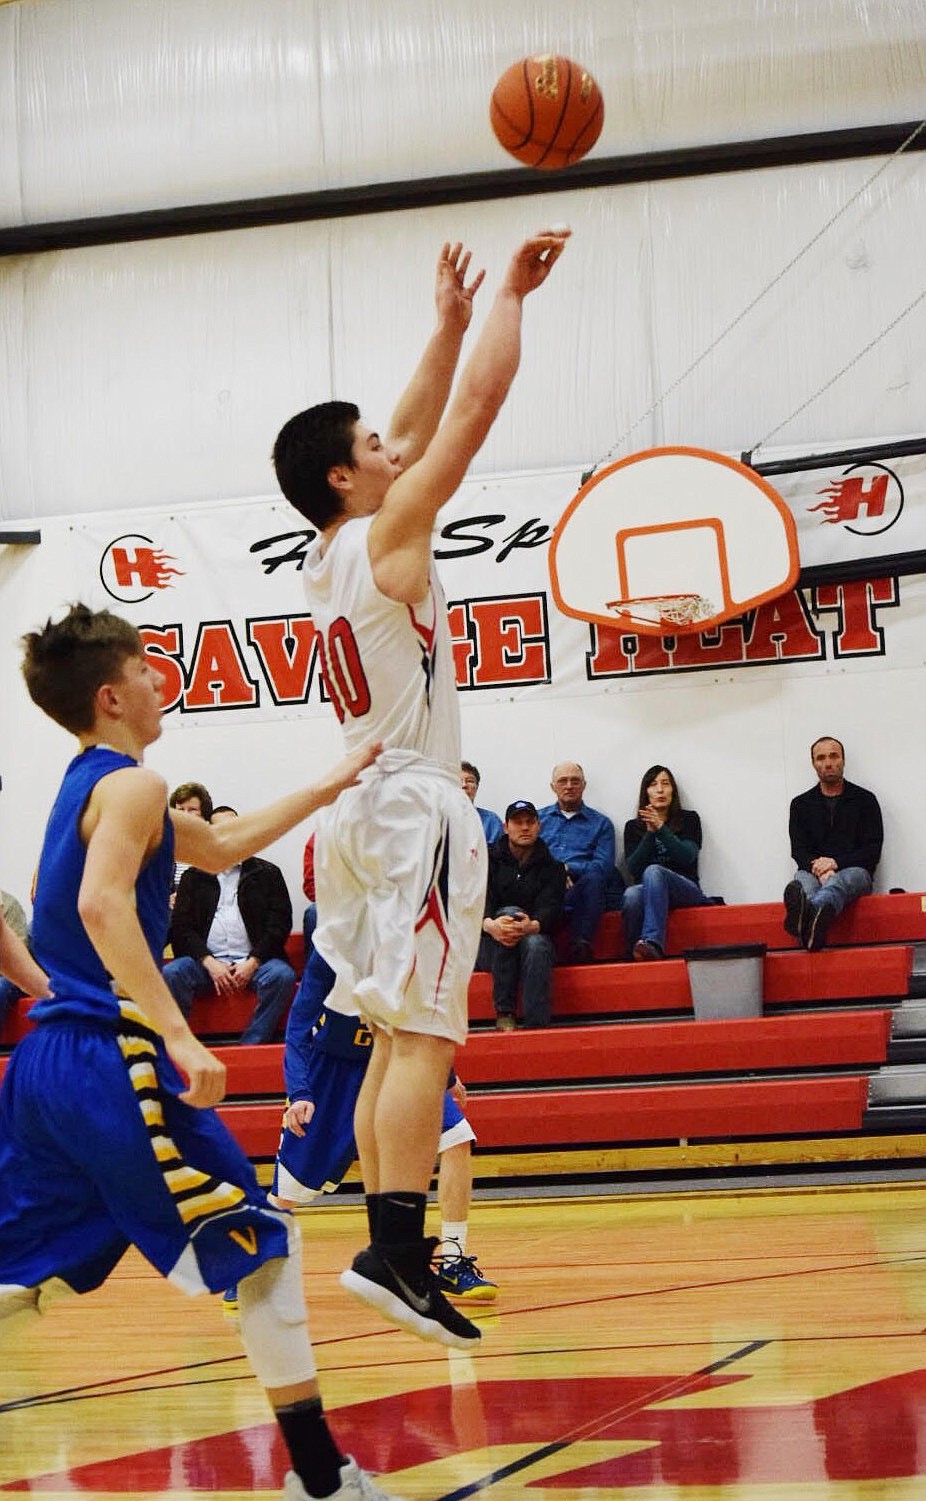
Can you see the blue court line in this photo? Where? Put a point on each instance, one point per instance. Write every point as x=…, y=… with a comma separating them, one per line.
x=674, y=1388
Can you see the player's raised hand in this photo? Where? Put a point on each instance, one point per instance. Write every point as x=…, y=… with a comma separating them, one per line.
x=346, y=772
x=205, y=1073
x=532, y=263
x=453, y=297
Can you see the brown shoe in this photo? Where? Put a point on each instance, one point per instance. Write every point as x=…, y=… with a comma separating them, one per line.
x=643, y=949
x=505, y=1023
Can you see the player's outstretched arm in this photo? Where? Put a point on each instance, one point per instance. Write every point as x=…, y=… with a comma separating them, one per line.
x=421, y=405
x=18, y=964
x=121, y=826
x=215, y=849
x=400, y=534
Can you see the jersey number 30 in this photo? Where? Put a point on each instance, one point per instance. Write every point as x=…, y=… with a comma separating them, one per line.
x=342, y=670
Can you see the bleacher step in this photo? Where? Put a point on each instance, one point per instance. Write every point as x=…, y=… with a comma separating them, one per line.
x=788, y=978
x=898, y=1084
x=621, y=1050
x=910, y=1018
x=898, y=1117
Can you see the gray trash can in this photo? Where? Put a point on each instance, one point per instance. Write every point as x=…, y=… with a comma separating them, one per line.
x=726, y=981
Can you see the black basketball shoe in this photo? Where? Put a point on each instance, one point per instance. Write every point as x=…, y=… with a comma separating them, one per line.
x=795, y=910
x=414, y=1302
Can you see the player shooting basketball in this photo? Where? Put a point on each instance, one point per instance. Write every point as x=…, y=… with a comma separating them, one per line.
x=400, y=872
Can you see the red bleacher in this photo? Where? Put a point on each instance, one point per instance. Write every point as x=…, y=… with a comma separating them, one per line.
x=898, y=918
x=668, y=1112
x=611, y=1072
x=603, y=989
x=551, y=1117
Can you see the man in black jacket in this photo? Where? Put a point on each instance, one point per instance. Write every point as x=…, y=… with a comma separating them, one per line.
x=524, y=898
x=836, y=836
x=228, y=933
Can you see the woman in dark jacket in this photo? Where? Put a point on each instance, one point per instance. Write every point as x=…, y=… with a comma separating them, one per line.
x=661, y=847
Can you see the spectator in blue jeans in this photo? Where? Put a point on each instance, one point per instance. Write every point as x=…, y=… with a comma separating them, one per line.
x=661, y=848
x=583, y=839
x=524, y=898
x=836, y=836
x=228, y=933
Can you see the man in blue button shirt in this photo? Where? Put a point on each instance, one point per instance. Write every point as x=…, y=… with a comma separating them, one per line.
x=584, y=840
x=469, y=781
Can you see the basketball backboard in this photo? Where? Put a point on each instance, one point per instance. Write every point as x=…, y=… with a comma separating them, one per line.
x=672, y=540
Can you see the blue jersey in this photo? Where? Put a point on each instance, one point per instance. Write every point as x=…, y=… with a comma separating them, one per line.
x=90, y=1107
x=346, y=1037
x=82, y=988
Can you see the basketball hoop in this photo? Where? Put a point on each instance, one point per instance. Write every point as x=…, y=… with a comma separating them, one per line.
x=682, y=611
x=672, y=542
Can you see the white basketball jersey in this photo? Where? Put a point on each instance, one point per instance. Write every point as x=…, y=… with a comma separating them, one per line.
x=388, y=667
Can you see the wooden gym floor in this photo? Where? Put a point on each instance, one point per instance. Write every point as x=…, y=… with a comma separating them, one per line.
x=678, y=1347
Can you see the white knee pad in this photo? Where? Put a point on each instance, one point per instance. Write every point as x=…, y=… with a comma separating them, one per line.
x=271, y=1311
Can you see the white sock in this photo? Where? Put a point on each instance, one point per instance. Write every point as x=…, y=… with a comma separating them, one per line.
x=452, y=1230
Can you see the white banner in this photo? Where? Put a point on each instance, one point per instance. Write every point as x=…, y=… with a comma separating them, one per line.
x=218, y=595
x=217, y=591
x=849, y=512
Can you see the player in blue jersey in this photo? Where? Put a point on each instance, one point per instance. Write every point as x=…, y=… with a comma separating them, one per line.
x=324, y=1062
x=106, y=1135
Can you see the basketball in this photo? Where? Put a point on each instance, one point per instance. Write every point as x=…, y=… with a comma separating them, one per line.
x=547, y=111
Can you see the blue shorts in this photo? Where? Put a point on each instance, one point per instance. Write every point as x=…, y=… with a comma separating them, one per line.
x=316, y=1162
x=97, y=1153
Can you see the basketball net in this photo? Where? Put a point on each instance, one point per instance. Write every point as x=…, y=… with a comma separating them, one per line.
x=683, y=611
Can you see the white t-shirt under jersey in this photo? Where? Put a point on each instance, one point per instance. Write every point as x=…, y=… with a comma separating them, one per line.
x=388, y=667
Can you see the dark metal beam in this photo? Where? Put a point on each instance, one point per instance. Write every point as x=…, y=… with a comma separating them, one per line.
x=468, y=187
x=15, y=538
x=872, y=454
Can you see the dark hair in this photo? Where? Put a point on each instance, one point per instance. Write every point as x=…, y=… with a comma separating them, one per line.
x=821, y=738
x=186, y=790
x=473, y=770
x=674, y=815
x=306, y=448
x=66, y=662
x=225, y=808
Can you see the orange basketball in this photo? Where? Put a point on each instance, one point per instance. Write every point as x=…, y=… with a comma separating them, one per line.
x=547, y=111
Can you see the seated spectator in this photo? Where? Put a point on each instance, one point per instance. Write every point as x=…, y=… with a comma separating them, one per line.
x=18, y=966
x=584, y=840
x=15, y=919
x=524, y=899
x=836, y=836
x=661, y=847
x=189, y=797
x=310, y=915
x=469, y=781
x=228, y=933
